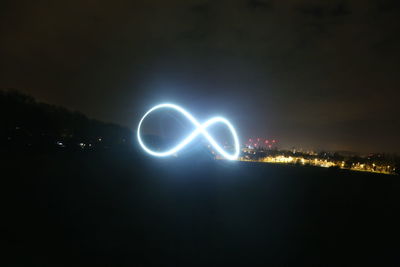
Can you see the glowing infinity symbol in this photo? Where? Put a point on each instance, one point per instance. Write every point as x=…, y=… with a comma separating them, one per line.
x=200, y=129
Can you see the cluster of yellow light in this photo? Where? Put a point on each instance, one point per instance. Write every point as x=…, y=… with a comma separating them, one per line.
x=372, y=168
x=299, y=160
x=280, y=159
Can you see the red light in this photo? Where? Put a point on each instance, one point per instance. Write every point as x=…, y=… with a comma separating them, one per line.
x=266, y=141
x=273, y=141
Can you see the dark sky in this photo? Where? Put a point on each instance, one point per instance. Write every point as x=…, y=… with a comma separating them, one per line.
x=313, y=74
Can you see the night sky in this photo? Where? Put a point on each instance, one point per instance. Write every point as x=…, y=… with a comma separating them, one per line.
x=312, y=74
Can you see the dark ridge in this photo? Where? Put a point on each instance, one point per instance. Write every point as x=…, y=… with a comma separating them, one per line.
x=29, y=124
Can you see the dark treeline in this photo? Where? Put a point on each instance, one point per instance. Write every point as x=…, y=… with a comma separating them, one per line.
x=27, y=123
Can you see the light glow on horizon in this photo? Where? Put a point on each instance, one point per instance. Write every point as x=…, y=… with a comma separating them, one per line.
x=200, y=129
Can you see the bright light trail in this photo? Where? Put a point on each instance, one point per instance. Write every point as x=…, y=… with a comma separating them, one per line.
x=200, y=129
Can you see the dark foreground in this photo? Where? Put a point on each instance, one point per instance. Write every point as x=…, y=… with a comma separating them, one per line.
x=117, y=208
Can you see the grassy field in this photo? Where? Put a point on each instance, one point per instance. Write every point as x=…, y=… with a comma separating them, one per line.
x=121, y=208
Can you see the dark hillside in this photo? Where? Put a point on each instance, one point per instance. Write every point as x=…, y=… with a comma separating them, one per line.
x=27, y=124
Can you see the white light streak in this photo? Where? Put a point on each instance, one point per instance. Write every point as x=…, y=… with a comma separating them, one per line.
x=200, y=129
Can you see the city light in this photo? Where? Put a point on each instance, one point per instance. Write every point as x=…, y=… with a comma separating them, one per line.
x=200, y=129
x=310, y=158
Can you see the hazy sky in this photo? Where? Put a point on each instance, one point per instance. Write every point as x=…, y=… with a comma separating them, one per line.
x=313, y=74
